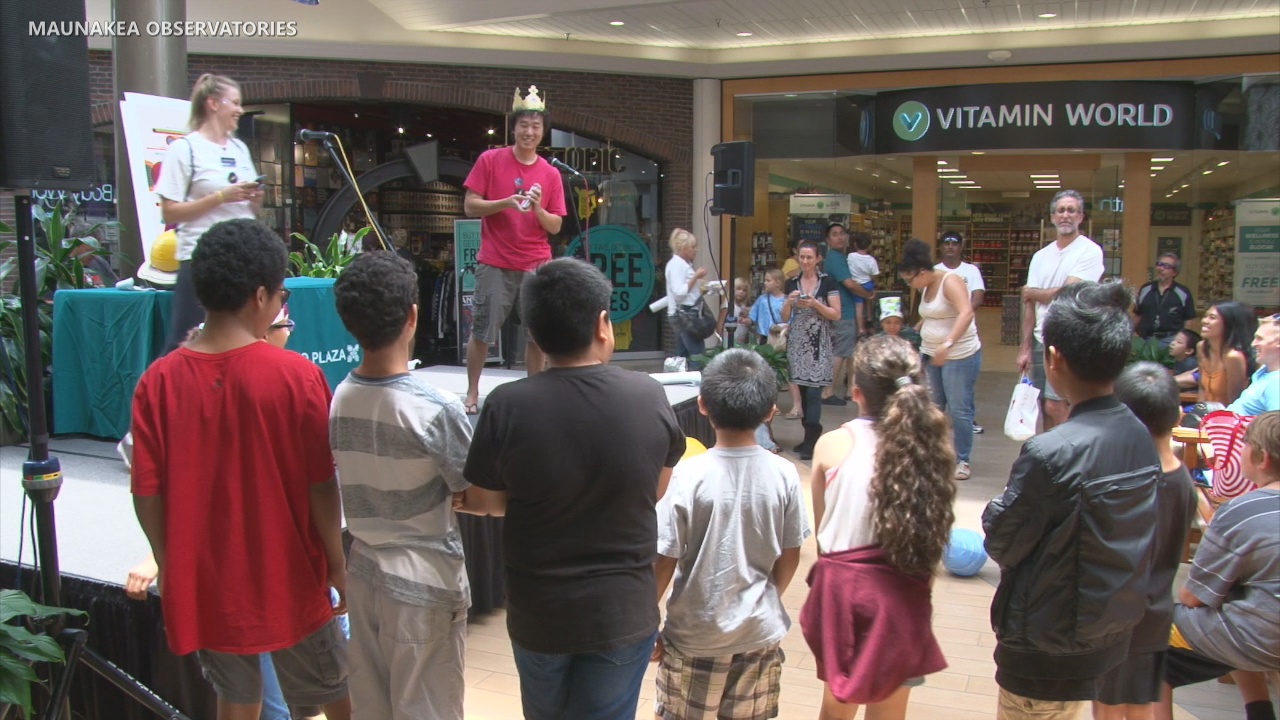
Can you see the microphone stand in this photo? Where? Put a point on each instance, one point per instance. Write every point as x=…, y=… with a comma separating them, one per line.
x=327, y=141
x=586, y=223
x=42, y=481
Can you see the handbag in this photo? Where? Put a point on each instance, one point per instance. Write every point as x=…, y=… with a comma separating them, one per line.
x=1024, y=411
x=696, y=320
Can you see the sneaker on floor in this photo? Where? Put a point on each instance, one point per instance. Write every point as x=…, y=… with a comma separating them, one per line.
x=978, y=429
x=962, y=470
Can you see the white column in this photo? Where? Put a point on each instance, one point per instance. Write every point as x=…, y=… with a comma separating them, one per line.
x=706, y=132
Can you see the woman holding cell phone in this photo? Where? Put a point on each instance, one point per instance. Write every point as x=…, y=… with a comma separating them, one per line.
x=811, y=307
x=207, y=176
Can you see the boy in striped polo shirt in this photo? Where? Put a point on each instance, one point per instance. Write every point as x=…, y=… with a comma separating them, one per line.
x=400, y=445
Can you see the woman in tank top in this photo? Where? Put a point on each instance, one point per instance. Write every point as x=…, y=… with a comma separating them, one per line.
x=882, y=503
x=949, y=342
x=1226, y=358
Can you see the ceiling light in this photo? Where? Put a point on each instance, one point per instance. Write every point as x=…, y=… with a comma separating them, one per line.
x=490, y=131
x=1153, y=174
x=1077, y=149
x=617, y=23
x=745, y=33
x=999, y=55
x=1157, y=168
x=1161, y=160
x=1207, y=172
x=430, y=135
x=1224, y=162
x=789, y=95
x=895, y=182
x=908, y=187
x=1054, y=176
x=977, y=152
x=1184, y=186
x=1047, y=15
x=942, y=162
x=400, y=130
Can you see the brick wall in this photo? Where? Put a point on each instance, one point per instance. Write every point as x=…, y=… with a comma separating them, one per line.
x=649, y=115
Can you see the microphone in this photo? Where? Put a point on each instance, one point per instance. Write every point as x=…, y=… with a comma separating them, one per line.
x=555, y=162
x=305, y=135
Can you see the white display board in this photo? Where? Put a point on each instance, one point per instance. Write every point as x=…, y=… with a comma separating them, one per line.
x=150, y=124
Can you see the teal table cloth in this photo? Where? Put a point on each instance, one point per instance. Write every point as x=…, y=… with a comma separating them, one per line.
x=103, y=340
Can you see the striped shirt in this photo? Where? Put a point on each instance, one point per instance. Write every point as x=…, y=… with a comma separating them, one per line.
x=1236, y=574
x=400, y=446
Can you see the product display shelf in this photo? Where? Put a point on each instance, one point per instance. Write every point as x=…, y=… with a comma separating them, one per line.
x=1217, y=257
x=988, y=248
x=764, y=255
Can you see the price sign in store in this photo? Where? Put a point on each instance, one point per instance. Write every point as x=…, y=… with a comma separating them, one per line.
x=624, y=258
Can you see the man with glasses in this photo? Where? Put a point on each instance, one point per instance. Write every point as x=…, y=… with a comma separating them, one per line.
x=1071, y=258
x=1164, y=306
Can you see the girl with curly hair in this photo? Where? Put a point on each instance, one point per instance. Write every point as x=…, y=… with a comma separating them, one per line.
x=882, y=500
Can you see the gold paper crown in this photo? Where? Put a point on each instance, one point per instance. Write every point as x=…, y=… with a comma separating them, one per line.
x=532, y=102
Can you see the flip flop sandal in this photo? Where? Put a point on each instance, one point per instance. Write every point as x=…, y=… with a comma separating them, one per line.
x=793, y=415
x=471, y=408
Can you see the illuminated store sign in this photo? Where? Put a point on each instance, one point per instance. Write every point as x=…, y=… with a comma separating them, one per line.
x=1128, y=115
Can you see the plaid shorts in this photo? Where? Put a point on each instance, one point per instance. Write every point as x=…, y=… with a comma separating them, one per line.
x=741, y=687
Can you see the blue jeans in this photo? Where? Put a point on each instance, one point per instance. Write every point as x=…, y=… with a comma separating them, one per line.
x=584, y=686
x=273, y=707
x=952, y=388
x=688, y=345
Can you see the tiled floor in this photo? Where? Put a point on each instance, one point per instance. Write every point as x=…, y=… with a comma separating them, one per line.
x=964, y=691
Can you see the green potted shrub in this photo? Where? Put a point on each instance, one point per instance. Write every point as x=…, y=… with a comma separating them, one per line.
x=20, y=648
x=329, y=262
x=776, y=358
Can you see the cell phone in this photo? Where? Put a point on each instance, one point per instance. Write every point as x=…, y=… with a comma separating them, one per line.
x=259, y=179
x=806, y=297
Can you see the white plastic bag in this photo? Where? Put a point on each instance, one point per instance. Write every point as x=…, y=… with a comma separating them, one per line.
x=1024, y=411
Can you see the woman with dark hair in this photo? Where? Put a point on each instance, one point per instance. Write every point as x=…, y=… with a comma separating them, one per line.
x=1226, y=358
x=207, y=176
x=949, y=342
x=883, y=502
x=811, y=309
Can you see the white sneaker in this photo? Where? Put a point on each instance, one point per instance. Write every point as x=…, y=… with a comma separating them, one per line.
x=978, y=429
x=962, y=470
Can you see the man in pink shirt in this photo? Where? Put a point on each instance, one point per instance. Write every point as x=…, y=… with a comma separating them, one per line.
x=519, y=198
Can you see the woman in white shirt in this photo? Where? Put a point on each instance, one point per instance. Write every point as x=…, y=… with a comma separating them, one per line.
x=206, y=177
x=949, y=342
x=683, y=290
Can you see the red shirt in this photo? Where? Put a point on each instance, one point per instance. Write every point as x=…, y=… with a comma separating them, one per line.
x=512, y=239
x=233, y=442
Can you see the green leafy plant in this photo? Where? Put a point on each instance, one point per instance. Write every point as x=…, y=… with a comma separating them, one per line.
x=58, y=259
x=20, y=647
x=329, y=262
x=1150, y=350
x=776, y=358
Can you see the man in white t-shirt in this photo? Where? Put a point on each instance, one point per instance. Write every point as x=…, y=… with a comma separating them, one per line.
x=952, y=251
x=1070, y=259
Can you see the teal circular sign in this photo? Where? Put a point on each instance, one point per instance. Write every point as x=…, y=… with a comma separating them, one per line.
x=624, y=258
x=911, y=120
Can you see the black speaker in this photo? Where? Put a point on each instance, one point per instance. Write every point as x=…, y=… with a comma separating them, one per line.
x=46, y=135
x=734, y=178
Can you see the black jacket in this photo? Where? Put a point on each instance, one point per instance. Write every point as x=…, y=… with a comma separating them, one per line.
x=1073, y=534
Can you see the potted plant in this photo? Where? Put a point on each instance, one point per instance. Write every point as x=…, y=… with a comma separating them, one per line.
x=776, y=358
x=20, y=648
x=329, y=262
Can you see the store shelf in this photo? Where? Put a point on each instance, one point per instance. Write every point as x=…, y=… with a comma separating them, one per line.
x=1217, y=257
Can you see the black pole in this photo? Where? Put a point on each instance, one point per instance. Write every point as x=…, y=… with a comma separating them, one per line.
x=41, y=474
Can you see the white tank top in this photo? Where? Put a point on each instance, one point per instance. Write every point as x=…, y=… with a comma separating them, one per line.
x=939, y=319
x=847, y=523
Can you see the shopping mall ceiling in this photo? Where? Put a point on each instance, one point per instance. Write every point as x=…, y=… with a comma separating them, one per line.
x=742, y=38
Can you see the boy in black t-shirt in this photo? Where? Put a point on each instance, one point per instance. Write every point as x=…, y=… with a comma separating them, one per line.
x=1126, y=692
x=577, y=457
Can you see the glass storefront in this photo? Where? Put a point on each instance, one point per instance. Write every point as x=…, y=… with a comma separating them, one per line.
x=987, y=160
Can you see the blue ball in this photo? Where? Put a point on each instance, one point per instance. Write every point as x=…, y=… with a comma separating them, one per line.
x=964, y=555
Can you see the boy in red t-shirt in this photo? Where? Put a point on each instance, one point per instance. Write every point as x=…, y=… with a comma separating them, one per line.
x=233, y=482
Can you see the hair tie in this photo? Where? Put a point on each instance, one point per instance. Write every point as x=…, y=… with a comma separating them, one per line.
x=902, y=381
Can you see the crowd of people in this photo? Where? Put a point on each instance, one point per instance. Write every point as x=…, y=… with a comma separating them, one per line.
x=604, y=512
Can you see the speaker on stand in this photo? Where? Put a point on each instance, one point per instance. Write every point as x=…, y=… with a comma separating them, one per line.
x=734, y=191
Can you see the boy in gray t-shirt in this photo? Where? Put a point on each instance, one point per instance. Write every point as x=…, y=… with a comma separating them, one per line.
x=1229, y=606
x=729, y=529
